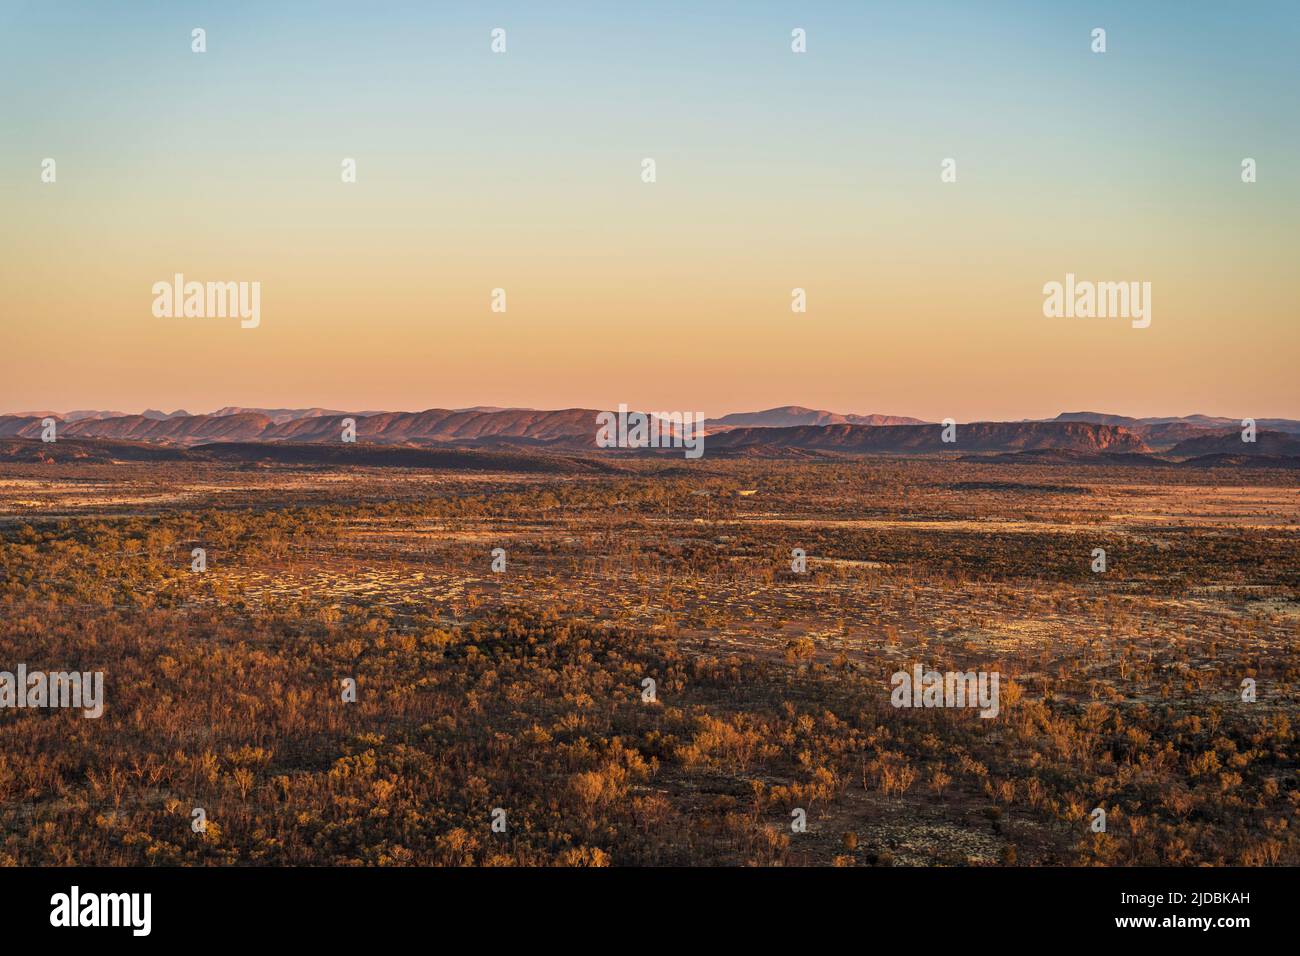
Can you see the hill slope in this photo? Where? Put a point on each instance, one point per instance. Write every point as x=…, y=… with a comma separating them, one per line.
x=791, y=415
x=917, y=439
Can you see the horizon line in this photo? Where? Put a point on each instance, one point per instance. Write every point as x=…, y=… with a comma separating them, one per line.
x=490, y=409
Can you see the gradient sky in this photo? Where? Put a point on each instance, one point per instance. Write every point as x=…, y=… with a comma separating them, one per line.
x=775, y=170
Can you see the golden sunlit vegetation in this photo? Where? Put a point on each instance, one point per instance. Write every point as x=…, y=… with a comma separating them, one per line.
x=523, y=690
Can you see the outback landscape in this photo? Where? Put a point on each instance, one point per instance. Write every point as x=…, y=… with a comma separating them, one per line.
x=499, y=590
x=510, y=461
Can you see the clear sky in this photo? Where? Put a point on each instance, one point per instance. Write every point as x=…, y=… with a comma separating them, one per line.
x=775, y=170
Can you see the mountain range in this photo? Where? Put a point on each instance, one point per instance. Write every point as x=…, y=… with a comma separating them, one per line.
x=786, y=431
x=789, y=415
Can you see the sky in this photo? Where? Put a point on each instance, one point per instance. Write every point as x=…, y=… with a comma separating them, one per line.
x=775, y=170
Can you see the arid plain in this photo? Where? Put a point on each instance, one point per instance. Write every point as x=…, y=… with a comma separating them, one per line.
x=521, y=688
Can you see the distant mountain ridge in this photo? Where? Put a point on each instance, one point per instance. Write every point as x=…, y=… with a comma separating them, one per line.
x=575, y=427
x=788, y=415
x=790, y=431
x=281, y=415
x=918, y=439
x=1266, y=443
x=1199, y=421
x=1164, y=434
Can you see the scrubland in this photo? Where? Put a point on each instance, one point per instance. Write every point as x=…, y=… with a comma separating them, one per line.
x=522, y=690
